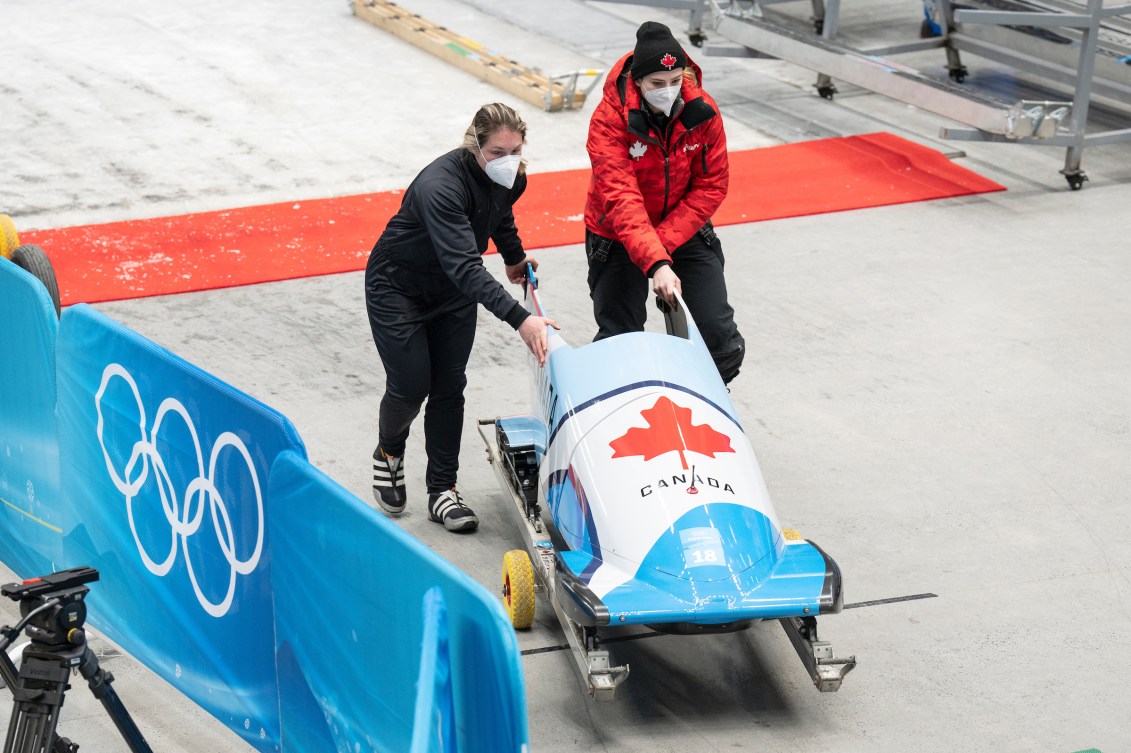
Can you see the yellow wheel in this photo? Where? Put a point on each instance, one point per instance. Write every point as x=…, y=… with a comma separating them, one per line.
x=790, y=534
x=518, y=588
x=9, y=239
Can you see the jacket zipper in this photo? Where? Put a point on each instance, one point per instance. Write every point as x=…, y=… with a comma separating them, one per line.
x=667, y=165
x=704, y=160
x=667, y=179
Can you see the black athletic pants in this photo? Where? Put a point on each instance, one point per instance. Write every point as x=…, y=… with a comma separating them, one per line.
x=620, y=293
x=424, y=338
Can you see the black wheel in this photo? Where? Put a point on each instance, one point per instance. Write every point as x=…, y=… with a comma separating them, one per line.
x=827, y=92
x=697, y=38
x=928, y=30
x=34, y=260
x=958, y=75
x=1076, y=180
x=819, y=26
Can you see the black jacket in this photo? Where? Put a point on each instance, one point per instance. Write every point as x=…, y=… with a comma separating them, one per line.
x=436, y=240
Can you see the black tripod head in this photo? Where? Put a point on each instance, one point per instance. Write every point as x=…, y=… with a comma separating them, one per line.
x=53, y=607
x=53, y=612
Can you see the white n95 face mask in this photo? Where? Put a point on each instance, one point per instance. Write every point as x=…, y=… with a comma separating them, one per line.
x=663, y=99
x=504, y=170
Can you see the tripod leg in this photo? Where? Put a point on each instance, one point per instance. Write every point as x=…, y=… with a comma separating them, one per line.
x=37, y=697
x=8, y=671
x=99, y=681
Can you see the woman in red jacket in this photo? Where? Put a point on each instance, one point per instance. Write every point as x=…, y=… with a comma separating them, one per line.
x=660, y=171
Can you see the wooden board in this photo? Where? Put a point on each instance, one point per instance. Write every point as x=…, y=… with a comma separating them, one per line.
x=528, y=84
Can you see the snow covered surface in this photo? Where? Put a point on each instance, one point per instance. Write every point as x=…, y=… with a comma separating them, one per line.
x=936, y=392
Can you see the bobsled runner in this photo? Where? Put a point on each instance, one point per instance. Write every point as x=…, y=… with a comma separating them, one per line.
x=641, y=503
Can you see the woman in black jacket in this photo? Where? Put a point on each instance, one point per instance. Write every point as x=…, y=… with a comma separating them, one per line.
x=423, y=281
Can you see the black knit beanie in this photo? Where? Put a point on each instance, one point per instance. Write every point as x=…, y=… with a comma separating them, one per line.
x=656, y=50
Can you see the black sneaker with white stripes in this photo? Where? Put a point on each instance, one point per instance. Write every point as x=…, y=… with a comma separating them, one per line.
x=447, y=507
x=388, y=482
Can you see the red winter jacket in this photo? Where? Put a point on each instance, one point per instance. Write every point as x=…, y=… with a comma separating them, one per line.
x=648, y=193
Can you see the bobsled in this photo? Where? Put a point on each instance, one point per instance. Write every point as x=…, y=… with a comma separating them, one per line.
x=641, y=503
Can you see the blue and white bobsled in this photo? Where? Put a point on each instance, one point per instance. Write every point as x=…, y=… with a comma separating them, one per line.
x=658, y=514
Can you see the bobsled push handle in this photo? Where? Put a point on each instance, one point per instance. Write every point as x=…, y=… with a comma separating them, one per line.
x=531, y=297
x=675, y=317
x=529, y=290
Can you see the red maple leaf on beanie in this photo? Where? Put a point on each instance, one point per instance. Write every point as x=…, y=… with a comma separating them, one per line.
x=668, y=60
x=669, y=430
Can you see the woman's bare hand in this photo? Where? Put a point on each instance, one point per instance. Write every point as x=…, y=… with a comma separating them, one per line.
x=516, y=273
x=534, y=333
x=665, y=283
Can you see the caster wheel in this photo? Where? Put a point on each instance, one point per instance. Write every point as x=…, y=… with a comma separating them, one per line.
x=1076, y=180
x=697, y=38
x=929, y=30
x=958, y=75
x=819, y=26
x=826, y=92
x=518, y=588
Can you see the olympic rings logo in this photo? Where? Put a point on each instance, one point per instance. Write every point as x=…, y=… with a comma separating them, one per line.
x=183, y=516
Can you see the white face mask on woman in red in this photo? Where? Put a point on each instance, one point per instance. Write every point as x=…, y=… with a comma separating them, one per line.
x=661, y=89
x=663, y=99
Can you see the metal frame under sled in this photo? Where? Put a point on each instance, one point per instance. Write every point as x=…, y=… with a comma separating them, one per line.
x=1090, y=54
x=601, y=678
x=826, y=670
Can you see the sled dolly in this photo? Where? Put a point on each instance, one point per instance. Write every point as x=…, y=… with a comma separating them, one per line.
x=534, y=569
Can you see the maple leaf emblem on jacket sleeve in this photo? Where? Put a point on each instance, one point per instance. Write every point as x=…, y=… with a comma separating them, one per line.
x=636, y=151
x=669, y=430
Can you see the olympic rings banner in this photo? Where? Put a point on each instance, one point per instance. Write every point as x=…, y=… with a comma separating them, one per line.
x=170, y=467
x=258, y=587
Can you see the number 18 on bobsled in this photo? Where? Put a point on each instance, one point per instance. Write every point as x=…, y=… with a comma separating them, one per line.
x=641, y=503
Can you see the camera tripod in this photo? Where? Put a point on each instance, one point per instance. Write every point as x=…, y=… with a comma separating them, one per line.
x=53, y=611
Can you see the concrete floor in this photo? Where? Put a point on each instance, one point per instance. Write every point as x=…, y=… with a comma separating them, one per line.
x=937, y=392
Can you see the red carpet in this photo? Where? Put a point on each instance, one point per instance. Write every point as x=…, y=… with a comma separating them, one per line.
x=315, y=237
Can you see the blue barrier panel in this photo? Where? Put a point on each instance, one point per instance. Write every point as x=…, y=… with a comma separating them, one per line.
x=31, y=511
x=195, y=502
x=433, y=724
x=350, y=609
x=166, y=471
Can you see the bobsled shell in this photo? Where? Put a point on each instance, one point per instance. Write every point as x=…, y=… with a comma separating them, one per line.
x=575, y=378
x=627, y=484
x=658, y=507
x=804, y=582
x=569, y=508
x=793, y=589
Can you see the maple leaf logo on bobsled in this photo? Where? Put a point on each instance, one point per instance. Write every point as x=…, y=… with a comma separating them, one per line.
x=669, y=430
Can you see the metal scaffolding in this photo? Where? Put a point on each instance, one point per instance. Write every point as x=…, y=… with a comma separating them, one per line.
x=1084, y=48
